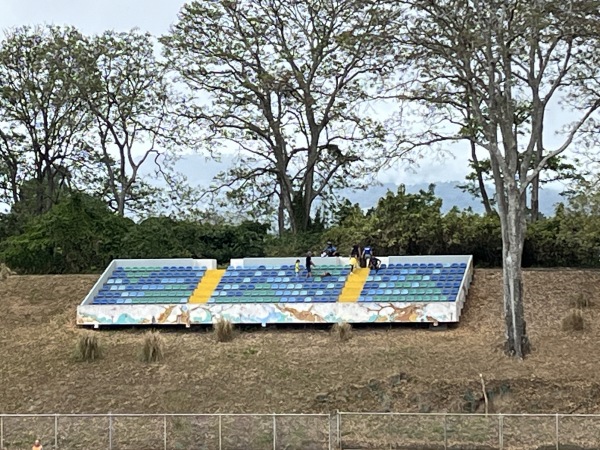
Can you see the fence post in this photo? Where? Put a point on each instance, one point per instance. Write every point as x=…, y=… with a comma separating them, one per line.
x=329, y=431
x=445, y=432
x=339, y=430
x=220, y=432
x=55, y=432
x=110, y=431
x=1, y=431
x=501, y=431
x=557, y=435
x=274, y=433
x=165, y=431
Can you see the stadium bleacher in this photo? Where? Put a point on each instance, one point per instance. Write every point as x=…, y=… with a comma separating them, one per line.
x=267, y=290
x=145, y=285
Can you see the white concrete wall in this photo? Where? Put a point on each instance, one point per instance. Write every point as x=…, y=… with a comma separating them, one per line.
x=430, y=259
x=208, y=263
x=253, y=262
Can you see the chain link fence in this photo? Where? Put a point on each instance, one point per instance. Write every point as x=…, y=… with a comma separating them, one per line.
x=338, y=431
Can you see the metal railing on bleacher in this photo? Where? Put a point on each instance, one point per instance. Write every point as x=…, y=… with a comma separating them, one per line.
x=342, y=430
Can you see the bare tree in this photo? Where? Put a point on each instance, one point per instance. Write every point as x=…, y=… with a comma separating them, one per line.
x=126, y=90
x=510, y=59
x=288, y=84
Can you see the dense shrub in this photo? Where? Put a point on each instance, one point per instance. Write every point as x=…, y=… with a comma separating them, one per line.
x=79, y=234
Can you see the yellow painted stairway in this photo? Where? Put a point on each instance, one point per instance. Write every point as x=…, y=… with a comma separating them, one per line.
x=354, y=286
x=207, y=286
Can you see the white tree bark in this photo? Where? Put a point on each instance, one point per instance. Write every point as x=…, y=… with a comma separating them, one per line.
x=513, y=239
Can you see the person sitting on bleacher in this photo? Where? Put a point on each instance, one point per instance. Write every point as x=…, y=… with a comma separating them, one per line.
x=330, y=250
x=374, y=263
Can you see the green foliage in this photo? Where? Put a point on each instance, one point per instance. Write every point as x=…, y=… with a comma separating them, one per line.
x=401, y=223
x=164, y=237
x=290, y=244
x=473, y=234
x=80, y=234
x=127, y=92
x=77, y=235
x=39, y=71
x=154, y=238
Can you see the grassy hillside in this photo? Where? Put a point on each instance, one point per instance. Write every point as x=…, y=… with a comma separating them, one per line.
x=302, y=369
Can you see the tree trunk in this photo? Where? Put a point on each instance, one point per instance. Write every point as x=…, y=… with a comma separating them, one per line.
x=484, y=195
x=535, y=185
x=281, y=216
x=121, y=204
x=513, y=239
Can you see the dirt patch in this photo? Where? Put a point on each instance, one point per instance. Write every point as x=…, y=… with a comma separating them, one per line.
x=283, y=370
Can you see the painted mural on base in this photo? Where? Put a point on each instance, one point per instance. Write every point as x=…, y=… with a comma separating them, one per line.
x=272, y=313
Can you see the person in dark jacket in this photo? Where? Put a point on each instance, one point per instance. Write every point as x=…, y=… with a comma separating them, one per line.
x=309, y=265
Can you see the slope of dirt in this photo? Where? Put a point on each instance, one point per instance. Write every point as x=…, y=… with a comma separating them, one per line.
x=302, y=370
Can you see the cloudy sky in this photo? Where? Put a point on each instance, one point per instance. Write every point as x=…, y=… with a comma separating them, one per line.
x=155, y=16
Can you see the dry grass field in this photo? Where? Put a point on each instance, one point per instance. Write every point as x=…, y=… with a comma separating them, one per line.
x=283, y=370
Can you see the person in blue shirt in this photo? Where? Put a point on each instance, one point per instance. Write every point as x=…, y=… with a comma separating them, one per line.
x=366, y=255
x=330, y=250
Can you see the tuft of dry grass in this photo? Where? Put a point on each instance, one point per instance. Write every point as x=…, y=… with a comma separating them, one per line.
x=341, y=331
x=573, y=321
x=582, y=301
x=223, y=330
x=88, y=348
x=152, y=347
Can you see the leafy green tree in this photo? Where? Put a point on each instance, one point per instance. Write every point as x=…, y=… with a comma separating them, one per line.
x=467, y=233
x=223, y=242
x=288, y=84
x=79, y=234
x=400, y=223
x=154, y=238
x=164, y=237
x=39, y=100
x=488, y=59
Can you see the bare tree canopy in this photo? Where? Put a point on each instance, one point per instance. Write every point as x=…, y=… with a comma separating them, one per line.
x=288, y=83
x=126, y=91
x=501, y=63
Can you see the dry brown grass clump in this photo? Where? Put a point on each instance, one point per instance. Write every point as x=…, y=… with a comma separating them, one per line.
x=582, y=301
x=88, y=348
x=223, y=330
x=342, y=331
x=573, y=321
x=153, y=347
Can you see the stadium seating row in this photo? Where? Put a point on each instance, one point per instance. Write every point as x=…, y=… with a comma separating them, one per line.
x=279, y=284
x=146, y=285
